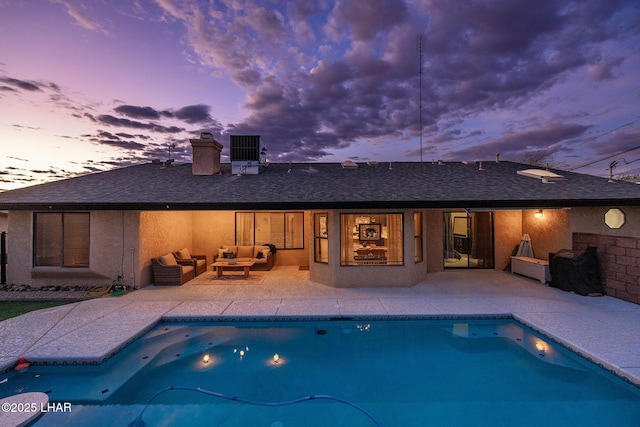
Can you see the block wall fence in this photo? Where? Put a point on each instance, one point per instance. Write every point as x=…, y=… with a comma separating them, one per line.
x=619, y=263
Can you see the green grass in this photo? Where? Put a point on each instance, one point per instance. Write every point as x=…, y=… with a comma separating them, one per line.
x=9, y=309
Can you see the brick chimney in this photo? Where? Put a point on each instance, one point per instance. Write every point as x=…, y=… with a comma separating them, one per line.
x=206, y=155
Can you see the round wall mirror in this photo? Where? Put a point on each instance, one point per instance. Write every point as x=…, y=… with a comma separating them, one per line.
x=614, y=218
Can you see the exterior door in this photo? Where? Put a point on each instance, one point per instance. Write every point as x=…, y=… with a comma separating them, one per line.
x=468, y=240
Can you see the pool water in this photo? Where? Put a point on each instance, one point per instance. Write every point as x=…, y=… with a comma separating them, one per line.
x=400, y=372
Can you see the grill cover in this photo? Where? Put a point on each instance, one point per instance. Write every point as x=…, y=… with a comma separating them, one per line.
x=579, y=273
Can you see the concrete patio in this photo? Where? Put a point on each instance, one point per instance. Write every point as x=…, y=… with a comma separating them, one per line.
x=604, y=329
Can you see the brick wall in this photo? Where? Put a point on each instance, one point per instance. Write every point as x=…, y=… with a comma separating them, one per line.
x=619, y=263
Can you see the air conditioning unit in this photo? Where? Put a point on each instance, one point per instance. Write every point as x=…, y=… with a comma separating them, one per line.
x=248, y=155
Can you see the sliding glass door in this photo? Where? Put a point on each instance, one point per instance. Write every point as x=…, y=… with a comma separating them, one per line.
x=468, y=240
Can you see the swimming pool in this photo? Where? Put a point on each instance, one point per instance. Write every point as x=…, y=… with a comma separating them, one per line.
x=394, y=372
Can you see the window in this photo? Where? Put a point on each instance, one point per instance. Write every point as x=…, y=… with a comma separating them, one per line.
x=285, y=230
x=371, y=239
x=417, y=237
x=61, y=240
x=320, y=238
x=614, y=218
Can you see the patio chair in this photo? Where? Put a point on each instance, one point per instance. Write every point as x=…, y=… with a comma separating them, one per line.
x=198, y=262
x=167, y=271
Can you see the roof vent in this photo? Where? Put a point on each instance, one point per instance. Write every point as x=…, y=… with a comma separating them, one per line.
x=547, y=177
x=349, y=164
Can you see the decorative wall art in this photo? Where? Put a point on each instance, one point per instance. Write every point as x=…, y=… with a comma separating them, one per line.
x=369, y=231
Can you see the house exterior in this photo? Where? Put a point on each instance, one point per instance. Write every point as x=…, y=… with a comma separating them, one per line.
x=353, y=224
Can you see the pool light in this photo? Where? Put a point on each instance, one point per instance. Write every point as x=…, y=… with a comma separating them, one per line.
x=205, y=358
x=241, y=352
x=275, y=361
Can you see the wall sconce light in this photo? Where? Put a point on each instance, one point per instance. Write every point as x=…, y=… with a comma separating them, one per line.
x=538, y=214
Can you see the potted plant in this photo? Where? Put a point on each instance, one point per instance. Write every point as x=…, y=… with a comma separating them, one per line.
x=231, y=258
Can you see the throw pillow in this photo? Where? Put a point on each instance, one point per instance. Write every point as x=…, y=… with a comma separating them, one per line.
x=168, y=259
x=221, y=252
x=259, y=255
x=183, y=254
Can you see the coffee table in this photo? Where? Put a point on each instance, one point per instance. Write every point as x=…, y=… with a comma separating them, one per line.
x=221, y=265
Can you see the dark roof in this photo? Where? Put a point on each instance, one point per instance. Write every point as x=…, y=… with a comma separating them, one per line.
x=322, y=186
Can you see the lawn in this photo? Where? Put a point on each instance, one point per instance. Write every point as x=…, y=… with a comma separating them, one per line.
x=9, y=309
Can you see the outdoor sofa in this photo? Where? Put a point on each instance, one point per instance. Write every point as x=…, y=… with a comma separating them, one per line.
x=263, y=256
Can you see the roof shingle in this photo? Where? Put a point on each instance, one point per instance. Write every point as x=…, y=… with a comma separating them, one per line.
x=322, y=186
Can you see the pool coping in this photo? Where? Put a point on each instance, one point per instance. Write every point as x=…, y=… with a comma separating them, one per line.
x=94, y=361
x=83, y=333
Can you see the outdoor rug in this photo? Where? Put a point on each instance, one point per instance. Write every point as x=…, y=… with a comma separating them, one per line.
x=229, y=278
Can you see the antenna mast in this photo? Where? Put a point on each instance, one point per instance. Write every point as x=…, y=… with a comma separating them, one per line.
x=420, y=75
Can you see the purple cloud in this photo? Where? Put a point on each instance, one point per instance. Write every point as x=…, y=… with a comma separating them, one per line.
x=136, y=112
x=21, y=84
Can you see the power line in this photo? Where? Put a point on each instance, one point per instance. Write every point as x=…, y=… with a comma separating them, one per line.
x=604, y=158
x=603, y=134
x=628, y=171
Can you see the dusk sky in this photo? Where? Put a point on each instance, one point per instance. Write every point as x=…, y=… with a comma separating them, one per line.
x=92, y=85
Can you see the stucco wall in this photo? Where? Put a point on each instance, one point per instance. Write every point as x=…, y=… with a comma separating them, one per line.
x=554, y=230
x=507, y=230
x=114, y=240
x=591, y=220
x=19, y=246
x=161, y=233
x=113, y=234
x=211, y=230
x=434, y=241
x=548, y=234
